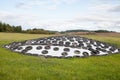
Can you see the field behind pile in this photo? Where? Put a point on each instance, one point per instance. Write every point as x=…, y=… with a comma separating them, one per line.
x=14, y=66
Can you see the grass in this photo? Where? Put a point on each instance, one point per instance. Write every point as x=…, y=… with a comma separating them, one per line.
x=14, y=66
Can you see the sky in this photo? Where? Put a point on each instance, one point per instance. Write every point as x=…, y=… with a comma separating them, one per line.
x=61, y=15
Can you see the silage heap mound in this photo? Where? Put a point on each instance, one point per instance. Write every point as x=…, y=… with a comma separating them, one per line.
x=63, y=46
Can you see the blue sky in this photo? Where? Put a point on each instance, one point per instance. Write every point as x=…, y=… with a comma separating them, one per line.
x=62, y=15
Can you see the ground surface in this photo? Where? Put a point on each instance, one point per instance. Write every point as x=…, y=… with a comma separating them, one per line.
x=14, y=66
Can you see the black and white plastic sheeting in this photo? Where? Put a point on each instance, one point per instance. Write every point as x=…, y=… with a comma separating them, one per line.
x=63, y=46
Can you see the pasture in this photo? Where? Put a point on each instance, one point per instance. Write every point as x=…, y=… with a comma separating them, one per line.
x=15, y=66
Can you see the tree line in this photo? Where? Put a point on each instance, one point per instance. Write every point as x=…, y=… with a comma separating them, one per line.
x=39, y=31
x=96, y=31
x=103, y=31
x=8, y=28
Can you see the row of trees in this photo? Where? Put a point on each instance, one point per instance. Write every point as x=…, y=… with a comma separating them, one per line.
x=77, y=30
x=102, y=31
x=8, y=28
x=97, y=31
x=39, y=31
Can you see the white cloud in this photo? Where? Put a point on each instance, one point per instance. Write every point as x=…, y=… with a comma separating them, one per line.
x=107, y=7
x=98, y=17
x=18, y=19
x=101, y=7
x=48, y=4
x=115, y=8
x=90, y=22
x=52, y=7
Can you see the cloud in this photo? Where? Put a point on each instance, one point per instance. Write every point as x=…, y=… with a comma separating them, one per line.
x=26, y=20
x=115, y=8
x=20, y=5
x=108, y=0
x=27, y=4
x=90, y=22
x=97, y=17
x=48, y=4
x=109, y=6
x=101, y=7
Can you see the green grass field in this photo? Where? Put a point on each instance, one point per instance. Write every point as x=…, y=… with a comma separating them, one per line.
x=14, y=66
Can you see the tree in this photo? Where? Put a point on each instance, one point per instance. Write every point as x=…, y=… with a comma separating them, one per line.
x=8, y=28
x=0, y=26
x=18, y=29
